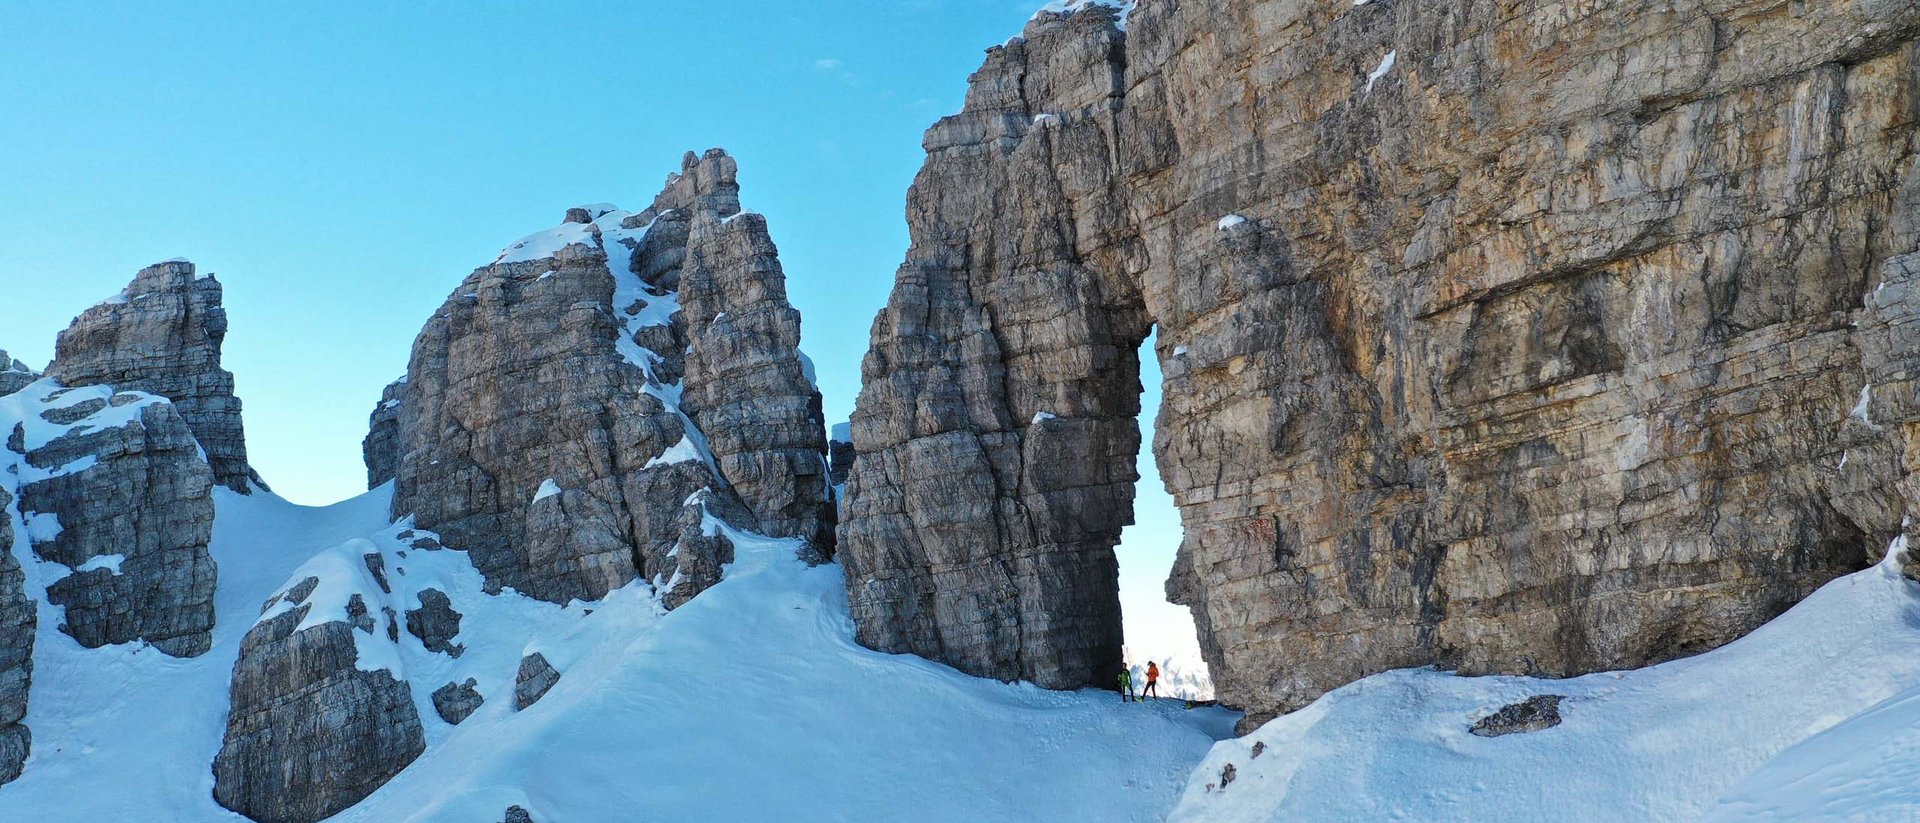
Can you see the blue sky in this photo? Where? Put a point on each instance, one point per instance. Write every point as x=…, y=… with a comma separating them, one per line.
x=341, y=172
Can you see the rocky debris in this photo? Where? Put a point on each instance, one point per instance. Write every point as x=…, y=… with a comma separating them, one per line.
x=516, y=814
x=435, y=623
x=1259, y=748
x=1227, y=774
x=1529, y=715
x=455, y=702
x=14, y=375
x=319, y=716
x=113, y=487
x=17, y=623
x=554, y=424
x=535, y=678
x=162, y=335
x=381, y=448
x=1474, y=356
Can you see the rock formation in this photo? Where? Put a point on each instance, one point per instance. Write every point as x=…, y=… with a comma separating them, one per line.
x=14, y=375
x=381, y=448
x=1495, y=336
x=113, y=488
x=162, y=335
x=563, y=411
x=320, y=713
x=455, y=702
x=535, y=678
x=17, y=623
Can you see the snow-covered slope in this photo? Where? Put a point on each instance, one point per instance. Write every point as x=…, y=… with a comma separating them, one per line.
x=1662, y=743
x=750, y=702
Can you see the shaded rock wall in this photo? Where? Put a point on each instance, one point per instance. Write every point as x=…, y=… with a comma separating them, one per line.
x=564, y=408
x=1504, y=337
x=162, y=335
x=381, y=447
x=114, y=488
x=14, y=375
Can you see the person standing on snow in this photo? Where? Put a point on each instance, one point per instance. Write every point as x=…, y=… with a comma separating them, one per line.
x=1126, y=686
x=1153, y=678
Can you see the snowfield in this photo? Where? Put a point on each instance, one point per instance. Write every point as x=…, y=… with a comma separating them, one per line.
x=1665, y=743
x=751, y=702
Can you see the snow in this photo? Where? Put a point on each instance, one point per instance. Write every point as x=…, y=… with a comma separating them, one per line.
x=23, y=410
x=1386, y=65
x=751, y=702
x=684, y=451
x=544, y=244
x=110, y=562
x=1661, y=743
x=1043, y=119
x=1041, y=416
x=1064, y=6
x=1179, y=351
x=390, y=404
x=547, y=489
x=1861, y=408
x=343, y=574
x=1230, y=221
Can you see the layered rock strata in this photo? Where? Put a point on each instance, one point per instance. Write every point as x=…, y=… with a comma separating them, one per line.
x=1502, y=337
x=17, y=623
x=564, y=410
x=113, y=488
x=162, y=335
x=14, y=375
x=321, y=713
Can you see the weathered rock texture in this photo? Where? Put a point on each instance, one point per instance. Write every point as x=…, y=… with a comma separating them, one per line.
x=17, y=623
x=1530, y=715
x=564, y=408
x=1499, y=336
x=381, y=448
x=456, y=702
x=535, y=678
x=14, y=375
x=309, y=732
x=162, y=336
x=115, y=490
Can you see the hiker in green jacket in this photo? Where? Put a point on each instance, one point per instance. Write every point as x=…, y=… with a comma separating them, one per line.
x=1126, y=686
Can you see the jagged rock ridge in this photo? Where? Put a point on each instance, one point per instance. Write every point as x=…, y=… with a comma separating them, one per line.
x=564, y=412
x=1494, y=337
x=162, y=335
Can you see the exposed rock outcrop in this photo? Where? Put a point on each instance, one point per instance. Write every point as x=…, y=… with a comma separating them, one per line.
x=1541, y=711
x=14, y=375
x=381, y=448
x=17, y=623
x=456, y=702
x=435, y=623
x=162, y=335
x=320, y=714
x=113, y=487
x=1494, y=337
x=536, y=677
x=564, y=410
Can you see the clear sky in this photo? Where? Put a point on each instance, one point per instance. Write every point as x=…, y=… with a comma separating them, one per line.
x=341, y=171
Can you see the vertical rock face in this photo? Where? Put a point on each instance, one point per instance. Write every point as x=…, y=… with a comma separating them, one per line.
x=565, y=408
x=17, y=623
x=1494, y=337
x=381, y=448
x=162, y=336
x=112, y=487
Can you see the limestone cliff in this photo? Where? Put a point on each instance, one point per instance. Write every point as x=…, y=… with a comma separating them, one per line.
x=162, y=335
x=1500, y=336
x=565, y=409
x=112, y=488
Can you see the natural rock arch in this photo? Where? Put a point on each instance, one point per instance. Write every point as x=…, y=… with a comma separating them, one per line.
x=1473, y=356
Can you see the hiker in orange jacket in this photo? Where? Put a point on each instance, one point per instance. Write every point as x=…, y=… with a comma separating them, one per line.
x=1153, y=678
